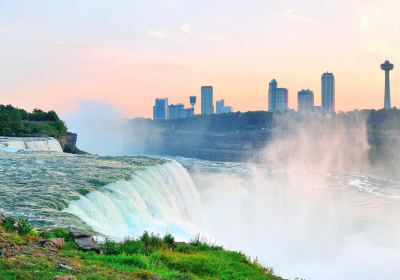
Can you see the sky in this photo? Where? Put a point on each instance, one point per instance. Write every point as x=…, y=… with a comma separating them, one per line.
x=57, y=54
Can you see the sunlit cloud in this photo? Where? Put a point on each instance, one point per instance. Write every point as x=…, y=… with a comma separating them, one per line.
x=157, y=33
x=187, y=28
x=173, y=3
x=296, y=16
x=216, y=37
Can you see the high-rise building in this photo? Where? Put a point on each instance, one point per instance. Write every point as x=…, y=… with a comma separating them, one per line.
x=277, y=98
x=221, y=108
x=387, y=67
x=160, y=109
x=305, y=101
x=207, y=100
x=174, y=111
x=273, y=85
x=328, y=93
x=178, y=111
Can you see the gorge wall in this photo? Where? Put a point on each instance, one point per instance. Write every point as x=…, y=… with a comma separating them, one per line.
x=241, y=136
x=225, y=137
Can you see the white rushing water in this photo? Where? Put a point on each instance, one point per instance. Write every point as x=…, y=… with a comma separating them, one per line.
x=159, y=198
x=15, y=144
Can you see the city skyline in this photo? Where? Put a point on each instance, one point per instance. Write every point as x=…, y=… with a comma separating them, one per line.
x=53, y=58
x=278, y=98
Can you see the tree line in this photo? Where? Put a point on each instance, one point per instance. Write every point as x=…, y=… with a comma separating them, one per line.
x=18, y=122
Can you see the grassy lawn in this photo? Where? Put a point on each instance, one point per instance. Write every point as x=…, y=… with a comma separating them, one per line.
x=149, y=257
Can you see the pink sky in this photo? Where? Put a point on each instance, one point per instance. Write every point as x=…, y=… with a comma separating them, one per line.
x=130, y=53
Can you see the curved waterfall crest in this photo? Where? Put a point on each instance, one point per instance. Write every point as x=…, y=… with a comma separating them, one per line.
x=159, y=199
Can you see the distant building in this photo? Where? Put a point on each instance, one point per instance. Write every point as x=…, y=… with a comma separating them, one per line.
x=207, y=100
x=328, y=93
x=178, y=111
x=160, y=109
x=192, y=100
x=277, y=98
x=387, y=67
x=305, y=101
x=316, y=109
x=221, y=108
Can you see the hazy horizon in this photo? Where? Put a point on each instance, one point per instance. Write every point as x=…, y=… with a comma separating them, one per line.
x=126, y=53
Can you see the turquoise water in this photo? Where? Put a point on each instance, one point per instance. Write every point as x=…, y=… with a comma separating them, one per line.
x=314, y=225
x=39, y=185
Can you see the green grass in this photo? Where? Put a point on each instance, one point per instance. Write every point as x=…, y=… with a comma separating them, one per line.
x=149, y=257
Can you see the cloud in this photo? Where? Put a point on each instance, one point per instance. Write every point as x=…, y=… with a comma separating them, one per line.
x=187, y=28
x=295, y=16
x=105, y=54
x=157, y=33
x=381, y=48
x=173, y=3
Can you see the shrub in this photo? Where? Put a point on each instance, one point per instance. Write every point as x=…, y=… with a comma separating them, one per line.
x=145, y=237
x=20, y=225
x=169, y=240
x=58, y=233
x=151, y=240
x=131, y=247
x=110, y=247
x=203, y=245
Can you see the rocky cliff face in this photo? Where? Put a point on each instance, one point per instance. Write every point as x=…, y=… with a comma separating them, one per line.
x=68, y=143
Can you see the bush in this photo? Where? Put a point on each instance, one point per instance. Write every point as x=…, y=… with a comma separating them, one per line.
x=169, y=240
x=58, y=233
x=203, y=245
x=151, y=240
x=110, y=247
x=131, y=247
x=20, y=225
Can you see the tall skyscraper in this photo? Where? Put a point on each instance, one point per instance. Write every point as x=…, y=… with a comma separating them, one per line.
x=273, y=85
x=207, y=100
x=277, y=98
x=387, y=67
x=328, y=93
x=305, y=101
x=221, y=108
x=160, y=109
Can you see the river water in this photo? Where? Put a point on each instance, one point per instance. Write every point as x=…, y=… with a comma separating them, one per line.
x=320, y=225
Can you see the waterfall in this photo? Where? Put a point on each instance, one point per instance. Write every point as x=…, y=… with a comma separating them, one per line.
x=14, y=144
x=158, y=199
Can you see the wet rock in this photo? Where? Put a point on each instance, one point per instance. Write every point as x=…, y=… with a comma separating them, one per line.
x=85, y=242
x=56, y=243
x=64, y=277
x=17, y=225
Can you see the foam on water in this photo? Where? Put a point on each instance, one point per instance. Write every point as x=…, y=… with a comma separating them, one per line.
x=158, y=199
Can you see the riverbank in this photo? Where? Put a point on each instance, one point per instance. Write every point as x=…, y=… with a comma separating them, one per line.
x=28, y=253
